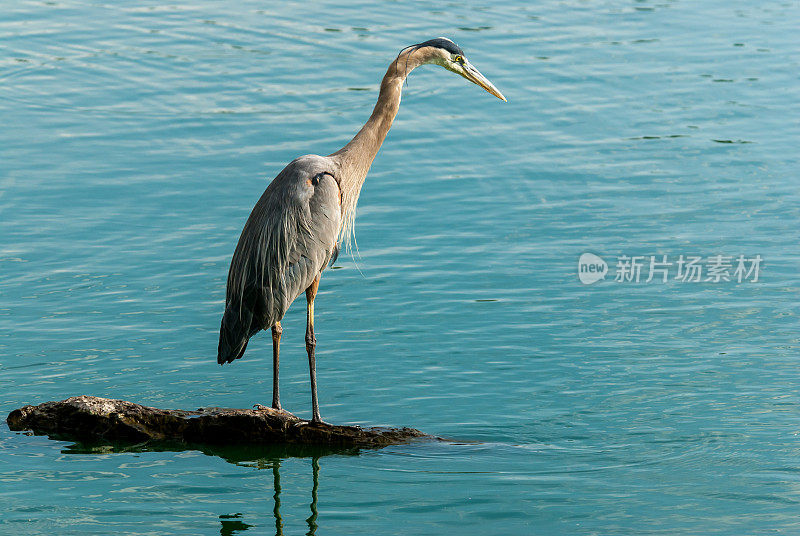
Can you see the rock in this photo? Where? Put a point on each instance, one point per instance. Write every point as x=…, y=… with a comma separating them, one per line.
x=92, y=418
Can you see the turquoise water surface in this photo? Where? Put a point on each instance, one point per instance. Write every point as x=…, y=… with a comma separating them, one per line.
x=137, y=137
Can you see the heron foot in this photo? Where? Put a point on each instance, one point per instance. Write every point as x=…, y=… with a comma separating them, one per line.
x=312, y=422
x=318, y=422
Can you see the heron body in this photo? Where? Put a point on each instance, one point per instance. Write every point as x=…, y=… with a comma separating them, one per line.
x=298, y=225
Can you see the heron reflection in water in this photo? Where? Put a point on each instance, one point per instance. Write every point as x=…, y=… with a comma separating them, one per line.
x=233, y=524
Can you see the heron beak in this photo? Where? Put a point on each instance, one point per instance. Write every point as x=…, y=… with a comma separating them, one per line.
x=474, y=75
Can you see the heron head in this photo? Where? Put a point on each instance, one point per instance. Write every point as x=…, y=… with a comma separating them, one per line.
x=444, y=52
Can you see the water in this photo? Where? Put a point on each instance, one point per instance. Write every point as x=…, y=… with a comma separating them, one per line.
x=136, y=140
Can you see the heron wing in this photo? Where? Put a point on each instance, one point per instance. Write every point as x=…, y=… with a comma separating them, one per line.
x=314, y=242
x=288, y=240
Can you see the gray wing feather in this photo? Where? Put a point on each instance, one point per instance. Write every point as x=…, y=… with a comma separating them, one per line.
x=288, y=240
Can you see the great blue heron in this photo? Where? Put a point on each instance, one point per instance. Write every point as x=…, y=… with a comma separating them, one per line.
x=297, y=227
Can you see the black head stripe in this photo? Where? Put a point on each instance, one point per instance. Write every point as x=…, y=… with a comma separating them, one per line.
x=445, y=44
x=439, y=42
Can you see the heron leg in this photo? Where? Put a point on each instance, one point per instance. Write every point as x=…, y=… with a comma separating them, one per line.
x=311, y=343
x=276, y=347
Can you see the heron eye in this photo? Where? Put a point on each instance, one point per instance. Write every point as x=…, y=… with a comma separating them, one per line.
x=458, y=59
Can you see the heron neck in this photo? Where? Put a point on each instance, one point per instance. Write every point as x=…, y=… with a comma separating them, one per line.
x=356, y=157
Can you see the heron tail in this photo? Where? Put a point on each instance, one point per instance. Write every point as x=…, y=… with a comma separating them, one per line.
x=234, y=332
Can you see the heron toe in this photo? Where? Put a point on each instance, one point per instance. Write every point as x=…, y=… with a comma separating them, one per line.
x=313, y=423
